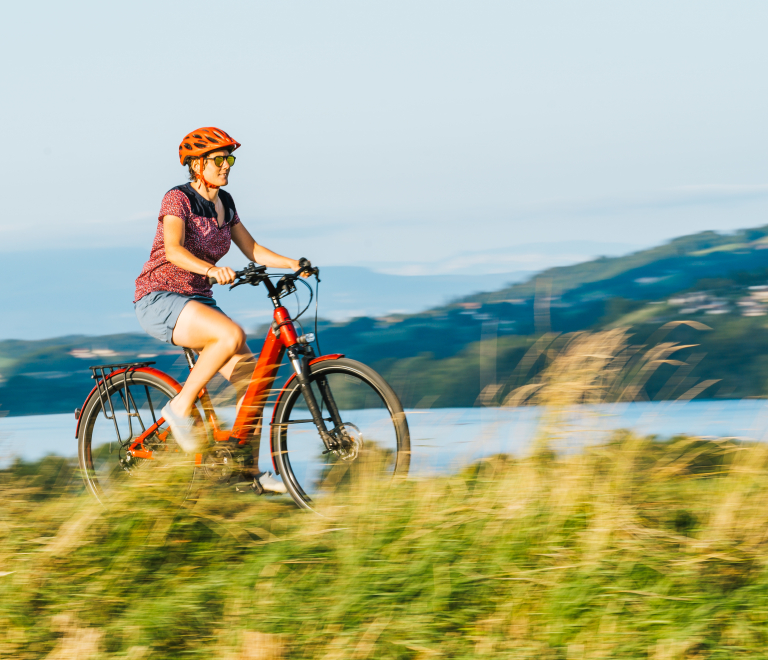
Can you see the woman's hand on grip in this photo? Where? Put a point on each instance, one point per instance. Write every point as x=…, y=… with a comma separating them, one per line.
x=301, y=263
x=223, y=274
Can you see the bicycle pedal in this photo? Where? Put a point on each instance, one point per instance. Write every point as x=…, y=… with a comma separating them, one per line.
x=249, y=487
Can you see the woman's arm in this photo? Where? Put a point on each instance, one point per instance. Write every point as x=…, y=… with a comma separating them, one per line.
x=178, y=255
x=258, y=253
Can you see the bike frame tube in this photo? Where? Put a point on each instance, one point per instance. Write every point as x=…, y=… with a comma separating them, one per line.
x=264, y=374
x=136, y=445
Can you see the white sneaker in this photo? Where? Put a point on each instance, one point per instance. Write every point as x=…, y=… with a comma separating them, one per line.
x=269, y=484
x=183, y=428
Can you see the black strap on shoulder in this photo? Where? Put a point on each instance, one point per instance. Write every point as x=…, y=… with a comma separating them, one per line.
x=229, y=205
x=202, y=207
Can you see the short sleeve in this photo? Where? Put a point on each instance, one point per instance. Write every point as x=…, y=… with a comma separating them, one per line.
x=235, y=220
x=175, y=203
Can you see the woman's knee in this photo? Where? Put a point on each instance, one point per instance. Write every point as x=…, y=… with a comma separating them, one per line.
x=234, y=337
x=199, y=327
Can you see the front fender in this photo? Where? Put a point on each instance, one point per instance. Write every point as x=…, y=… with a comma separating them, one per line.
x=148, y=370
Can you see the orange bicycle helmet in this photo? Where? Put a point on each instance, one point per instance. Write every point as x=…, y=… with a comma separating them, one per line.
x=202, y=141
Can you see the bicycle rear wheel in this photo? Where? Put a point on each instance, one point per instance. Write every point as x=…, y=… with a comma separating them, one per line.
x=373, y=422
x=104, y=438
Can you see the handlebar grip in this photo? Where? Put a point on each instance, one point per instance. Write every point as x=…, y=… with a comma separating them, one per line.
x=212, y=281
x=306, y=265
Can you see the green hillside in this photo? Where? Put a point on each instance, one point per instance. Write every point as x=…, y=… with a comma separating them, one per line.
x=677, y=265
x=449, y=355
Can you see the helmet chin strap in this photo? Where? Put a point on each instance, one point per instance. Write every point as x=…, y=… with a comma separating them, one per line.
x=201, y=178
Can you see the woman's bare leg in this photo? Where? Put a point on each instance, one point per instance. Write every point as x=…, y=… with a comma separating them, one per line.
x=220, y=342
x=221, y=345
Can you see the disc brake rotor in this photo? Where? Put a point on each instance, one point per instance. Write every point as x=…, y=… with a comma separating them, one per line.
x=353, y=440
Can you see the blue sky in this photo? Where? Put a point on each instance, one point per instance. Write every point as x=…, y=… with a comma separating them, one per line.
x=398, y=133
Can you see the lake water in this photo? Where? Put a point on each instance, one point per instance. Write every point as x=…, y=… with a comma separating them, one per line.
x=443, y=438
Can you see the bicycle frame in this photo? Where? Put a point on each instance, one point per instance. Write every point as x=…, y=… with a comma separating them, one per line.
x=281, y=337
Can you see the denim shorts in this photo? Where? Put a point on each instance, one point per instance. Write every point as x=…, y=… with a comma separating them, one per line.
x=158, y=312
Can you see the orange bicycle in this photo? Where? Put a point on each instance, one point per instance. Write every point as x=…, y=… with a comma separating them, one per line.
x=331, y=416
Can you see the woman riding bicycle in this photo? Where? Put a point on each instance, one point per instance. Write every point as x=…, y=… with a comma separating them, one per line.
x=174, y=302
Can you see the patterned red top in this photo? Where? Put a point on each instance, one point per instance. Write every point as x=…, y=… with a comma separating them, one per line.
x=202, y=237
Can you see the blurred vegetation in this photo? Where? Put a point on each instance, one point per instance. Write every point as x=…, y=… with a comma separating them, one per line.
x=634, y=548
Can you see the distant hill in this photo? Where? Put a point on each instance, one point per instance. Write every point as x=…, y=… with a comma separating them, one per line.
x=91, y=292
x=446, y=355
x=646, y=274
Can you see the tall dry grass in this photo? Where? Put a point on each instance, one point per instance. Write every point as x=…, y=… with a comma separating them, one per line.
x=632, y=548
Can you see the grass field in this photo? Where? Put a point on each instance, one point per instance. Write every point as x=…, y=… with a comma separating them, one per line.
x=632, y=549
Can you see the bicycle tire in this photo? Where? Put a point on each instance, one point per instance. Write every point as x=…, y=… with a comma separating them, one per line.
x=298, y=449
x=99, y=451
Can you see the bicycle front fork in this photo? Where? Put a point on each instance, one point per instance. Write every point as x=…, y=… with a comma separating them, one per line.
x=301, y=367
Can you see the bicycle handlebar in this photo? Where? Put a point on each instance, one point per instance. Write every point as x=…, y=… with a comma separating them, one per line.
x=255, y=275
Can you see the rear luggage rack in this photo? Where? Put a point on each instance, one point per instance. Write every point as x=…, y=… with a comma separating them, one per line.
x=113, y=367
x=100, y=374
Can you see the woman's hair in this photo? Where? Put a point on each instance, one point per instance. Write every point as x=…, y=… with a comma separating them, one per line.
x=191, y=159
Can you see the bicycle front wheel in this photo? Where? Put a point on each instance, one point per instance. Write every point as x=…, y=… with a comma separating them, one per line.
x=375, y=431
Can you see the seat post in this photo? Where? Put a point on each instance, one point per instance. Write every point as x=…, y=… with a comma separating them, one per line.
x=191, y=357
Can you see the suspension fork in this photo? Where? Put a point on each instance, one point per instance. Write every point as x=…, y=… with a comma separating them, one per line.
x=301, y=367
x=330, y=402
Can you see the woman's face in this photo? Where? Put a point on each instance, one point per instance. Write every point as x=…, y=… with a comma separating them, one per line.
x=218, y=176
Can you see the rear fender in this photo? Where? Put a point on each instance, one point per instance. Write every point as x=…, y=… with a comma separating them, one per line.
x=147, y=370
x=322, y=358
